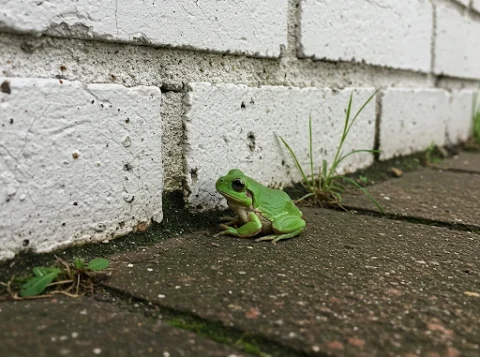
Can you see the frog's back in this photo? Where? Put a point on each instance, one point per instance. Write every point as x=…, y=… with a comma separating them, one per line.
x=273, y=202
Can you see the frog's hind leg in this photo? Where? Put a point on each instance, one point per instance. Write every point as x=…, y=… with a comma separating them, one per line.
x=285, y=227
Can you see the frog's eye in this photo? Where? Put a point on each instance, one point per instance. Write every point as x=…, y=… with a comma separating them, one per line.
x=238, y=185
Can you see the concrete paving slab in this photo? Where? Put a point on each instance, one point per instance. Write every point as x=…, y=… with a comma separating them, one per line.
x=350, y=285
x=85, y=327
x=465, y=161
x=445, y=196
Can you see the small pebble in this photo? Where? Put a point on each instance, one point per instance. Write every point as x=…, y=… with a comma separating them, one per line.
x=161, y=296
x=149, y=269
x=97, y=351
x=130, y=265
x=397, y=172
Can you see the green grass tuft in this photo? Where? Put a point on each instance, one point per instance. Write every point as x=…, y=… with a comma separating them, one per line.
x=328, y=186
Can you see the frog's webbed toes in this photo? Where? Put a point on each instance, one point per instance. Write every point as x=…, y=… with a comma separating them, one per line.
x=266, y=238
x=227, y=230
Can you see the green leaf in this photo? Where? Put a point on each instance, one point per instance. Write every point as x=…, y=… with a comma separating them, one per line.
x=38, y=284
x=364, y=179
x=98, y=264
x=79, y=263
x=42, y=271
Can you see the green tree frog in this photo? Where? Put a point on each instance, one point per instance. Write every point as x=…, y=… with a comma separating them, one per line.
x=259, y=209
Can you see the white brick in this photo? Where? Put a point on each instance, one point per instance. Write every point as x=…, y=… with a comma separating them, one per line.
x=463, y=2
x=411, y=119
x=388, y=33
x=457, y=44
x=52, y=199
x=476, y=5
x=234, y=126
x=251, y=27
x=459, y=121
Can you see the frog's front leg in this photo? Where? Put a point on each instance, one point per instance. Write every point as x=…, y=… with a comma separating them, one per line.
x=249, y=229
x=285, y=227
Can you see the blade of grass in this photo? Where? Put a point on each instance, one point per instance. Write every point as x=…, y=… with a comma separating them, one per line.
x=323, y=176
x=355, y=152
x=364, y=190
x=344, y=134
x=361, y=109
x=311, y=149
x=308, y=195
x=312, y=189
x=337, y=196
x=337, y=188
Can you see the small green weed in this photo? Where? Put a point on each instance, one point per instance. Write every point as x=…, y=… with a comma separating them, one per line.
x=217, y=333
x=432, y=155
x=62, y=278
x=476, y=116
x=328, y=186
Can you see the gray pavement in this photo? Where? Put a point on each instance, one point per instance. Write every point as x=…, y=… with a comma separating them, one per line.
x=351, y=284
x=445, y=196
x=466, y=161
x=85, y=327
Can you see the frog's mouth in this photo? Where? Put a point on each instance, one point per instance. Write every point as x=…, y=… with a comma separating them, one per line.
x=228, y=196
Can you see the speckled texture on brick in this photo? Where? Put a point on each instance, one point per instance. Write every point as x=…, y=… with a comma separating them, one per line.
x=235, y=126
x=457, y=43
x=459, y=120
x=384, y=32
x=252, y=27
x=77, y=162
x=411, y=119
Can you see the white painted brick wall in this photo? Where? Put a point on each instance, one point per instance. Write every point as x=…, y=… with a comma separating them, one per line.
x=48, y=197
x=463, y=2
x=457, y=44
x=459, y=120
x=235, y=126
x=383, y=32
x=411, y=119
x=249, y=26
x=476, y=5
